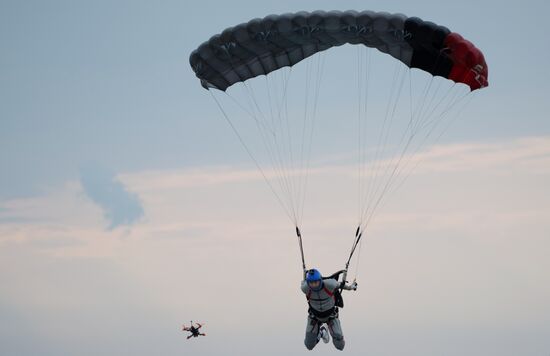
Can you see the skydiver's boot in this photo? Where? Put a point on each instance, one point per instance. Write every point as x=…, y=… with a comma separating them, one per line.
x=323, y=334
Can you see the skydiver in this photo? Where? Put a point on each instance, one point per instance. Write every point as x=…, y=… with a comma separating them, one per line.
x=193, y=330
x=323, y=299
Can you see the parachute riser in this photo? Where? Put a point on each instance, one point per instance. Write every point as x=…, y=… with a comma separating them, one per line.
x=299, y=235
x=358, y=235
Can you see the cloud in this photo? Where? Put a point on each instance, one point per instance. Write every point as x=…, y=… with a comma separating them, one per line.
x=469, y=228
x=119, y=206
x=463, y=186
x=525, y=154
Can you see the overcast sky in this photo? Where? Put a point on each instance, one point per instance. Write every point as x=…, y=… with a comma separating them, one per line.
x=128, y=207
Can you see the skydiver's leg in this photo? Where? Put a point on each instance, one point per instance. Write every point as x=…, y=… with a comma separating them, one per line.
x=336, y=332
x=202, y=334
x=190, y=336
x=312, y=330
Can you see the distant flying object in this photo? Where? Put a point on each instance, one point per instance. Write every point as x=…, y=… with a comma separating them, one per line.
x=194, y=330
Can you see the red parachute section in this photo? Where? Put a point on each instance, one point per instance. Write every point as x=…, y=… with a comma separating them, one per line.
x=469, y=67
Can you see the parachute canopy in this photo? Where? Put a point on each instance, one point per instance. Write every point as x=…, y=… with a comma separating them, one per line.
x=261, y=46
x=274, y=117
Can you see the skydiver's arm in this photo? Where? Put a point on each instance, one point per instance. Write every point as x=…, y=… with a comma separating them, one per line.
x=304, y=287
x=352, y=286
x=200, y=326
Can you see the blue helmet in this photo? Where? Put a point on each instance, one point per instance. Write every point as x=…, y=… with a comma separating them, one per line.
x=314, y=275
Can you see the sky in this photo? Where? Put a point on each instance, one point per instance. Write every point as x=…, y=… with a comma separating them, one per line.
x=128, y=206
